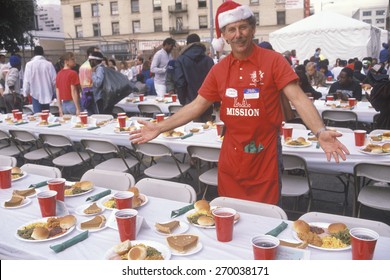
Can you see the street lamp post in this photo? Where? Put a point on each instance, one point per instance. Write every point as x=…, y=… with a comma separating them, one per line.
x=211, y=27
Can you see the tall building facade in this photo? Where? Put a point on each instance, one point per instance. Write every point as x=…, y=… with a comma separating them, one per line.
x=376, y=16
x=49, y=18
x=122, y=27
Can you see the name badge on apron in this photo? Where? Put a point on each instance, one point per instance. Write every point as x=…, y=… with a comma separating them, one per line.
x=251, y=93
x=231, y=92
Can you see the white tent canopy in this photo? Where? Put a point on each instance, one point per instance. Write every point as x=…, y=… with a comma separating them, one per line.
x=338, y=36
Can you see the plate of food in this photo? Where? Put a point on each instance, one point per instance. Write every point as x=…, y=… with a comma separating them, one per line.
x=171, y=227
x=78, y=188
x=184, y=244
x=209, y=125
x=202, y=217
x=16, y=202
x=380, y=136
x=90, y=209
x=43, y=123
x=194, y=129
x=138, y=250
x=17, y=174
x=323, y=236
x=124, y=130
x=46, y=229
x=108, y=202
x=94, y=224
x=299, y=142
x=31, y=192
x=376, y=149
x=79, y=125
x=172, y=134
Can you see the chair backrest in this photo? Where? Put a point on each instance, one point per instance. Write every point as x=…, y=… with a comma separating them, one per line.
x=167, y=189
x=117, y=110
x=4, y=135
x=27, y=110
x=292, y=161
x=42, y=170
x=99, y=146
x=339, y=116
x=204, y=153
x=153, y=149
x=8, y=161
x=23, y=136
x=374, y=171
x=295, y=125
x=149, y=109
x=351, y=222
x=340, y=129
x=56, y=140
x=54, y=110
x=250, y=207
x=174, y=108
x=109, y=179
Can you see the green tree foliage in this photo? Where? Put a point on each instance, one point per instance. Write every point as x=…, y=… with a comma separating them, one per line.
x=16, y=19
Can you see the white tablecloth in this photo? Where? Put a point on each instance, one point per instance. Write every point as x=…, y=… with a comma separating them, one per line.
x=156, y=210
x=131, y=106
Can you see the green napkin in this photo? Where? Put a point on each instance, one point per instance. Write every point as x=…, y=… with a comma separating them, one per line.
x=20, y=123
x=276, y=231
x=68, y=243
x=99, y=195
x=187, y=135
x=252, y=149
x=38, y=185
x=93, y=127
x=181, y=211
x=54, y=124
x=167, y=102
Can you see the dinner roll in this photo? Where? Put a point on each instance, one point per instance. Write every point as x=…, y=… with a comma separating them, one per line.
x=123, y=247
x=205, y=221
x=134, y=190
x=202, y=205
x=67, y=221
x=386, y=148
x=137, y=253
x=301, y=226
x=376, y=149
x=40, y=233
x=336, y=227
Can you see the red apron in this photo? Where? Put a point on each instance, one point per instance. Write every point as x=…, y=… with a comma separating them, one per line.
x=250, y=176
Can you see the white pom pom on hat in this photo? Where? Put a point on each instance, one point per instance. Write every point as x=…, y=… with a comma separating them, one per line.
x=227, y=13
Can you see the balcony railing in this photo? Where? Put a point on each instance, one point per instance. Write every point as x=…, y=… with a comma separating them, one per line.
x=178, y=8
x=183, y=30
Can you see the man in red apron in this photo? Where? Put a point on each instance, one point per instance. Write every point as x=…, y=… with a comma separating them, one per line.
x=248, y=83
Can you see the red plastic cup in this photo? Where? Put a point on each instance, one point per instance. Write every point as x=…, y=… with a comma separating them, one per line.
x=122, y=121
x=360, y=137
x=160, y=117
x=58, y=185
x=174, y=97
x=44, y=116
x=363, y=241
x=18, y=116
x=14, y=112
x=84, y=113
x=141, y=97
x=47, y=203
x=224, y=220
x=264, y=247
x=45, y=111
x=166, y=95
x=123, y=114
x=287, y=132
x=127, y=223
x=5, y=177
x=124, y=200
x=220, y=126
x=351, y=102
x=329, y=78
x=83, y=119
x=329, y=98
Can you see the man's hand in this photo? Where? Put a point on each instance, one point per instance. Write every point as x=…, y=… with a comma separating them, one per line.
x=148, y=132
x=332, y=146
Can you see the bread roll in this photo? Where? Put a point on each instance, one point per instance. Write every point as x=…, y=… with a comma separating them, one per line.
x=122, y=248
x=386, y=148
x=67, y=221
x=301, y=140
x=134, y=190
x=16, y=170
x=386, y=133
x=137, y=253
x=336, y=227
x=202, y=205
x=40, y=233
x=205, y=221
x=376, y=149
x=301, y=226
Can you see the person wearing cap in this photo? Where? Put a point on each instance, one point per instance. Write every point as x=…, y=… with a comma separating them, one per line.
x=159, y=65
x=96, y=59
x=67, y=87
x=85, y=77
x=192, y=67
x=12, y=97
x=248, y=83
x=39, y=81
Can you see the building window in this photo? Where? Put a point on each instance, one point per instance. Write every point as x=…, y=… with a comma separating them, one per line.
x=79, y=31
x=115, y=28
x=380, y=20
x=136, y=26
x=158, y=25
x=367, y=21
x=281, y=18
x=156, y=5
x=380, y=12
x=134, y=6
x=77, y=11
x=114, y=8
x=203, y=22
x=202, y=4
x=254, y=2
x=95, y=10
x=96, y=29
x=257, y=17
x=366, y=13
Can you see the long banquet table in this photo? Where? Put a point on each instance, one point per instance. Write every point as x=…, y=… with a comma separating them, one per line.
x=155, y=210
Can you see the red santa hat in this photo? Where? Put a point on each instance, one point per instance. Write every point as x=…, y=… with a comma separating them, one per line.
x=227, y=13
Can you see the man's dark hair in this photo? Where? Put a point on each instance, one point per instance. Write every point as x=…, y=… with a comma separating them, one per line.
x=193, y=38
x=358, y=65
x=169, y=41
x=343, y=63
x=38, y=50
x=90, y=50
x=348, y=71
